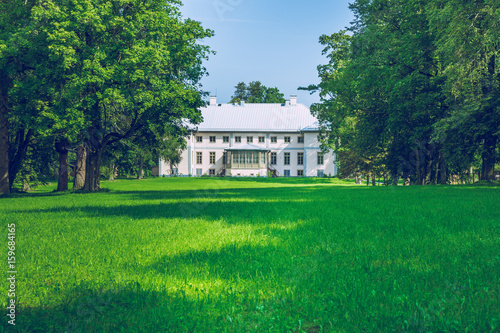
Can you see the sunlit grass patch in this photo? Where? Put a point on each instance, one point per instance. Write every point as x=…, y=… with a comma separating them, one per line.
x=215, y=255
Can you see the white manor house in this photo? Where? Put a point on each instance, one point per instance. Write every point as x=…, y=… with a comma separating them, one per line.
x=280, y=140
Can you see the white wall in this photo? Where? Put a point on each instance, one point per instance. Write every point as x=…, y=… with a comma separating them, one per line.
x=310, y=148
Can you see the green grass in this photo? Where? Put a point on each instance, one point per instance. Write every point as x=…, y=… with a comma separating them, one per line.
x=256, y=255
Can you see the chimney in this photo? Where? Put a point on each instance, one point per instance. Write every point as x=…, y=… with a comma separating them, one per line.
x=242, y=103
x=213, y=100
x=293, y=99
x=287, y=103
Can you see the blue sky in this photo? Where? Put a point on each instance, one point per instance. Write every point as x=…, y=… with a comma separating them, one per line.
x=273, y=41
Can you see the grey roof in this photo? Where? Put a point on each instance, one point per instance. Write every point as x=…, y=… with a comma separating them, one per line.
x=311, y=128
x=247, y=147
x=256, y=118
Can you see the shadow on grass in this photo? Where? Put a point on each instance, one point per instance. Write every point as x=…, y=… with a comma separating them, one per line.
x=127, y=308
x=247, y=277
x=254, y=205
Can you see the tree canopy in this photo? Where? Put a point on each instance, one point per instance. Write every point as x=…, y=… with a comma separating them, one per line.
x=411, y=89
x=117, y=69
x=256, y=92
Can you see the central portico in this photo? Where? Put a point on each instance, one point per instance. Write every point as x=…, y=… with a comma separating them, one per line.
x=246, y=161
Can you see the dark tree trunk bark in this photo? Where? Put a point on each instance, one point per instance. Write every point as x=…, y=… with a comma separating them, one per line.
x=18, y=153
x=95, y=147
x=488, y=167
x=374, y=182
x=62, y=149
x=442, y=170
x=395, y=179
x=428, y=172
x=81, y=163
x=418, y=167
x=112, y=173
x=436, y=171
x=140, y=173
x=4, y=138
x=368, y=180
x=93, y=168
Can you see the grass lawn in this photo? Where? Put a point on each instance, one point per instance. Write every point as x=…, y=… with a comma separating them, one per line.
x=255, y=255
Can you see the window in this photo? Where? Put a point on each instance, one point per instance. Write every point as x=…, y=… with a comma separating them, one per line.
x=320, y=159
x=263, y=158
x=300, y=139
x=287, y=173
x=237, y=139
x=249, y=139
x=274, y=139
x=300, y=173
x=212, y=139
x=199, y=139
x=245, y=159
x=300, y=158
x=262, y=139
x=211, y=172
x=287, y=139
x=249, y=158
x=199, y=157
x=199, y=172
x=212, y=157
x=287, y=158
x=224, y=157
x=320, y=173
x=225, y=139
x=273, y=158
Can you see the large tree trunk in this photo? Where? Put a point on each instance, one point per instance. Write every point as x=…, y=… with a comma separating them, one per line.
x=140, y=173
x=17, y=152
x=62, y=149
x=112, y=173
x=442, y=169
x=95, y=148
x=428, y=171
x=418, y=167
x=81, y=163
x=395, y=179
x=4, y=138
x=438, y=165
x=488, y=167
x=92, y=176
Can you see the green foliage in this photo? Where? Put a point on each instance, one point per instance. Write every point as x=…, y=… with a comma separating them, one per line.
x=255, y=92
x=101, y=71
x=412, y=89
x=257, y=255
x=467, y=41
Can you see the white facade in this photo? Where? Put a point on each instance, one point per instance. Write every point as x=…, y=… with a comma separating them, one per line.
x=257, y=140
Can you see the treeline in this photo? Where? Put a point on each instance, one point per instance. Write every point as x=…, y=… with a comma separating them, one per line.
x=256, y=92
x=107, y=83
x=411, y=90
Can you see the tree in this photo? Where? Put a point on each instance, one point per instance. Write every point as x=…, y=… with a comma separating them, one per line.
x=30, y=82
x=256, y=92
x=273, y=95
x=17, y=47
x=4, y=137
x=381, y=91
x=125, y=66
x=468, y=43
x=240, y=94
